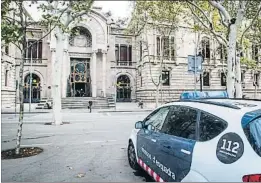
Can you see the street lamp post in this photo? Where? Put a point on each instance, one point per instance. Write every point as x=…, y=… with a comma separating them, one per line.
x=31, y=67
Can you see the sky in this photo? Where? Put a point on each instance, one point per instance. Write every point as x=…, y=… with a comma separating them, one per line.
x=118, y=8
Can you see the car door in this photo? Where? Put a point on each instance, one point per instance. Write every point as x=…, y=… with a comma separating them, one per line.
x=147, y=138
x=176, y=143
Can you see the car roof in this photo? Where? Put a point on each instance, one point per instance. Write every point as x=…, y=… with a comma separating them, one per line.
x=226, y=109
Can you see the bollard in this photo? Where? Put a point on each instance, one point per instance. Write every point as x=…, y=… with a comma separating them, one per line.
x=90, y=106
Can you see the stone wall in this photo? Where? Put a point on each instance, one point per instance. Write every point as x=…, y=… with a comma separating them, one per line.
x=8, y=83
x=181, y=80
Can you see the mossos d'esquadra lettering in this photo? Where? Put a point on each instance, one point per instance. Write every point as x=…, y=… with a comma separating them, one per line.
x=146, y=153
x=165, y=169
x=158, y=164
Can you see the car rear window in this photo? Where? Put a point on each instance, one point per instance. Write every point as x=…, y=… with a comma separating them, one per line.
x=253, y=134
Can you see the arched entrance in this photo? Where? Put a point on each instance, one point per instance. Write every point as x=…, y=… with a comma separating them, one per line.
x=123, y=89
x=79, y=81
x=80, y=78
x=36, y=89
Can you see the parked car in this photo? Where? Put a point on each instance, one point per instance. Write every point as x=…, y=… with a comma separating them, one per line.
x=204, y=137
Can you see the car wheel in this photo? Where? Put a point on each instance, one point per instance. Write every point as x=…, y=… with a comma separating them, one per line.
x=132, y=157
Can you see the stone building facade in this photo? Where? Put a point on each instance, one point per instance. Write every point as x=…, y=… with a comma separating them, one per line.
x=8, y=82
x=104, y=61
x=181, y=43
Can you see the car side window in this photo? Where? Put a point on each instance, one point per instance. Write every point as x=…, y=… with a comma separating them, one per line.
x=181, y=122
x=210, y=126
x=157, y=118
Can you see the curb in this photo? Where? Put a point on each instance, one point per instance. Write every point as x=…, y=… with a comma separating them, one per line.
x=148, y=110
x=25, y=112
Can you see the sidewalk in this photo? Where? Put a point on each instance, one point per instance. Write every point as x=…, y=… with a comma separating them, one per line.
x=120, y=107
x=26, y=109
x=129, y=107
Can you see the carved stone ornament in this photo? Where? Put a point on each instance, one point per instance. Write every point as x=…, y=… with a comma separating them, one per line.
x=80, y=55
x=80, y=41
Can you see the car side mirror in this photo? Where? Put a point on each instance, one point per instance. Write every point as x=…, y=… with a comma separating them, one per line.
x=139, y=125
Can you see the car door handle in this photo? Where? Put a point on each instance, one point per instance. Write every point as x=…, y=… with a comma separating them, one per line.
x=166, y=146
x=153, y=140
x=185, y=151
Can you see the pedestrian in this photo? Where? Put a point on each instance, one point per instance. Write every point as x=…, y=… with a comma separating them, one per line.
x=90, y=106
x=141, y=104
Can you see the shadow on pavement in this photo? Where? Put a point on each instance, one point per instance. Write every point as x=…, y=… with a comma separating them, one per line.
x=143, y=174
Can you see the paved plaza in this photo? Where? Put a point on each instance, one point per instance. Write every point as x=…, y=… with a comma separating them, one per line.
x=93, y=147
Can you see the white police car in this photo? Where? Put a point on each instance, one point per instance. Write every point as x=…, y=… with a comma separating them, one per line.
x=200, y=139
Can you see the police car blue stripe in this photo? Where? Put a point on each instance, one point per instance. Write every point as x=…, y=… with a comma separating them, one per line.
x=249, y=116
x=203, y=95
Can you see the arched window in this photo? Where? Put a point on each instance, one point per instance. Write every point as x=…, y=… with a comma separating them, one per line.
x=80, y=37
x=205, y=47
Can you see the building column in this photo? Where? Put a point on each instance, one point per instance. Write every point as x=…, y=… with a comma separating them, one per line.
x=94, y=84
x=104, y=73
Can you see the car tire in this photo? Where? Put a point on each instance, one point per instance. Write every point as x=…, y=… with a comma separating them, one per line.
x=132, y=157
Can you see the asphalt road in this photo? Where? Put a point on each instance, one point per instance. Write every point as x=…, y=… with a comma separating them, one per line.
x=94, y=145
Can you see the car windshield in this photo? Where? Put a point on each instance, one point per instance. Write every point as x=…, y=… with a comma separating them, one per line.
x=253, y=133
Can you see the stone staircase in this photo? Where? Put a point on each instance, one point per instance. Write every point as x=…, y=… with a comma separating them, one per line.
x=83, y=103
x=42, y=104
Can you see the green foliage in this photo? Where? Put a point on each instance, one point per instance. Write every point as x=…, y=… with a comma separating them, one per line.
x=252, y=64
x=161, y=15
x=53, y=14
x=10, y=31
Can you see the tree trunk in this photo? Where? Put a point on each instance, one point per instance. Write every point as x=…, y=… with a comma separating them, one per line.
x=21, y=88
x=238, y=84
x=231, y=61
x=157, y=95
x=57, y=115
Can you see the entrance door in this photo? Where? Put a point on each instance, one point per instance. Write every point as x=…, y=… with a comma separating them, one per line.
x=123, y=89
x=35, y=89
x=80, y=79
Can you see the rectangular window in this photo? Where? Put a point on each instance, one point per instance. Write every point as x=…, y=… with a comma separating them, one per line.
x=223, y=53
x=168, y=43
x=223, y=79
x=34, y=49
x=140, y=51
x=117, y=53
x=141, y=81
x=123, y=53
x=255, y=53
x=206, y=79
x=7, y=49
x=165, y=78
x=6, y=77
x=242, y=77
x=166, y=48
x=172, y=44
x=130, y=55
x=158, y=46
x=40, y=47
x=256, y=80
